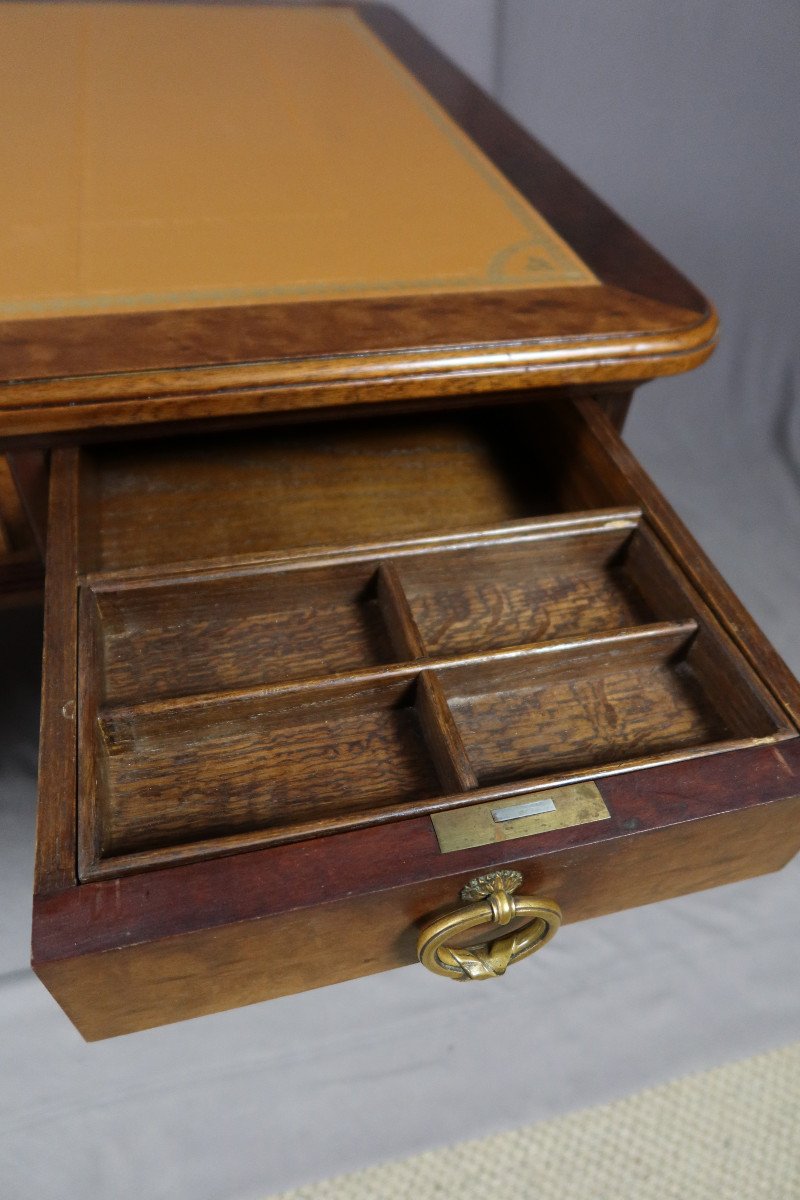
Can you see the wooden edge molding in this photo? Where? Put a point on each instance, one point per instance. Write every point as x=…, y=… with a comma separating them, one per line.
x=40, y=408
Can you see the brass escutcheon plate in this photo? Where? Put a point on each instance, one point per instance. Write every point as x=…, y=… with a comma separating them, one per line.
x=519, y=816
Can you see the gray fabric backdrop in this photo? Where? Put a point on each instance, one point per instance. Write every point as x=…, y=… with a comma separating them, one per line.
x=684, y=117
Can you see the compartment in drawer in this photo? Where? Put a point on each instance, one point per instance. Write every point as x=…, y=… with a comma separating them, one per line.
x=252, y=625
x=625, y=698
x=172, y=775
x=535, y=589
x=182, y=637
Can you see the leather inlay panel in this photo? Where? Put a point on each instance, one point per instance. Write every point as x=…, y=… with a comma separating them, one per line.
x=301, y=160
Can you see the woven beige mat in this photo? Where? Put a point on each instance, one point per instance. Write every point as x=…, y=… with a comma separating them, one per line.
x=728, y=1134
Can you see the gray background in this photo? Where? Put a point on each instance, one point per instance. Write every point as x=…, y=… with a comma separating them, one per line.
x=684, y=117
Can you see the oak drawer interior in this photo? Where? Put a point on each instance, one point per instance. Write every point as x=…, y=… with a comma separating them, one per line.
x=298, y=631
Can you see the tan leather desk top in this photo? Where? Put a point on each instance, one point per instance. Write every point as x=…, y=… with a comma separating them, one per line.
x=210, y=212
x=184, y=156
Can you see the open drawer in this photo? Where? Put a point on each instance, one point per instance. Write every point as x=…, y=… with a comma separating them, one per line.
x=305, y=683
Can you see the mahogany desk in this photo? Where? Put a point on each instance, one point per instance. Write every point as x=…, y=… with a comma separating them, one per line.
x=366, y=636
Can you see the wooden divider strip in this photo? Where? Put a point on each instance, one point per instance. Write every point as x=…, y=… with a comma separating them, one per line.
x=441, y=733
x=396, y=611
x=376, y=677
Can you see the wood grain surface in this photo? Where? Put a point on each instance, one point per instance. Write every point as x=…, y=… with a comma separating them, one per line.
x=229, y=633
x=283, y=489
x=496, y=596
x=229, y=702
x=23, y=507
x=177, y=944
x=186, y=777
x=56, y=827
x=603, y=470
x=226, y=805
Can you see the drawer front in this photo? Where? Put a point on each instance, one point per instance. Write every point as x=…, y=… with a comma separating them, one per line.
x=272, y=661
x=171, y=945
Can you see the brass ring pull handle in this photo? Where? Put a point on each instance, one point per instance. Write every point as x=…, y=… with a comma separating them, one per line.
x=488, y=898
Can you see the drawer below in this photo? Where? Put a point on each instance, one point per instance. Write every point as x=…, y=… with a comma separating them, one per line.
x=271, y=659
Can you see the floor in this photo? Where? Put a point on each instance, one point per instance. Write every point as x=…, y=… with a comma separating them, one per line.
x=728, y=1134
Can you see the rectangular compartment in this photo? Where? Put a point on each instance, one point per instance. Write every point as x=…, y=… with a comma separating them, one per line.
x=570, y=584
x=205, y=635
x=245, y=626
x=173, y=776
x=602, y=703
